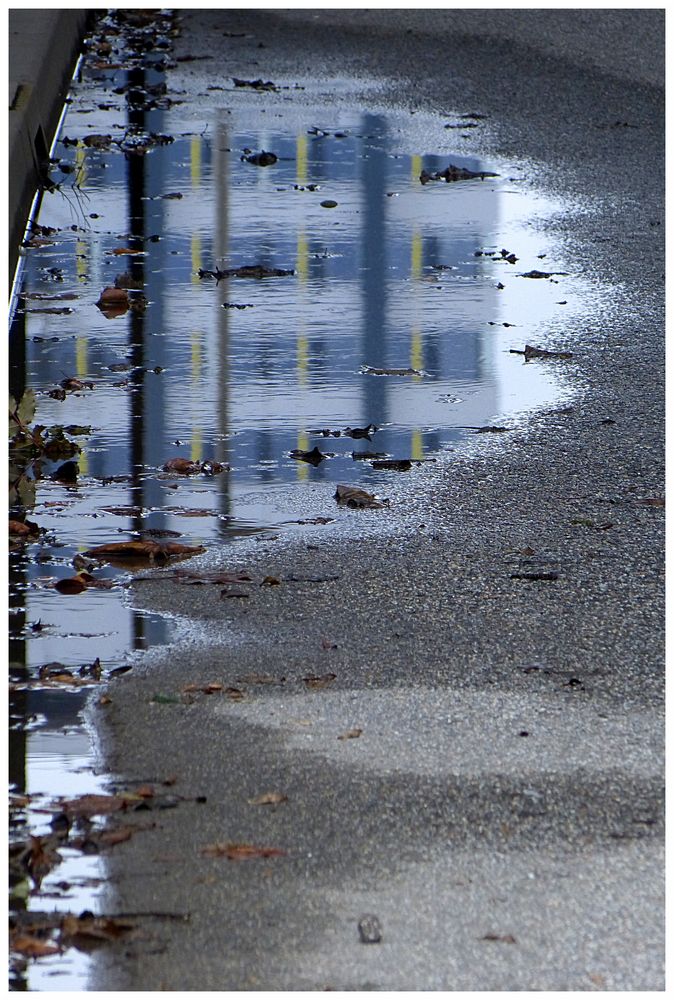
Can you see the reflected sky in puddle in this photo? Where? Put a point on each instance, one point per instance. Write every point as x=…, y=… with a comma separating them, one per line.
x=395, y=275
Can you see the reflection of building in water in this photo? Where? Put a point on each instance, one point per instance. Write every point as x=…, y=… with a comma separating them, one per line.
x=387, y=279
x=364, y=294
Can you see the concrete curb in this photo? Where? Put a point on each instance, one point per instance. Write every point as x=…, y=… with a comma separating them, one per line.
x=43, y=49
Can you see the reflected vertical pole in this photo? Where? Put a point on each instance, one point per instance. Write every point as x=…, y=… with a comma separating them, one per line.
x=373, y=267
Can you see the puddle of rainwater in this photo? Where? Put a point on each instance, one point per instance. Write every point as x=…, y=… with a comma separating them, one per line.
x=241, y=371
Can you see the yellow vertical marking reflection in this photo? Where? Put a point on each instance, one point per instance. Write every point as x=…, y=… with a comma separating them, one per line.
x=417, y=449
x=416, y=166
x=417, y=254
x=81, y=171
x=302, y=158
x=196, y=358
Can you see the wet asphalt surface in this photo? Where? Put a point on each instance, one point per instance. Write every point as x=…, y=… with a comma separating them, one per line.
x=494, y=860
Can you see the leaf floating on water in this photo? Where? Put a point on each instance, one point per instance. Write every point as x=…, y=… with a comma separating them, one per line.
x=90, y=930
x=247, y=271
x=393, y=464
x=368, y=370
x=24, y=529
x=268, y=799
x=39, y=857
x=31, y=947
x=352, y=496
x=72, y=585
x=240, y=852
x=313, y=457
x=530, y=352
x=152, y=551
x=262, y=159
x=452, y=173
x=543, y=274
x=183, y=466
x=98, y=141
x=113, y=302
x=71, y=384
x=363, y=456
x=361, y=432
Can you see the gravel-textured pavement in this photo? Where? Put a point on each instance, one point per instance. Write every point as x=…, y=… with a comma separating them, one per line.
x=501, y=811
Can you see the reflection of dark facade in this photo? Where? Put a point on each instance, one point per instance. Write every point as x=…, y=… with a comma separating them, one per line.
x=362, y=253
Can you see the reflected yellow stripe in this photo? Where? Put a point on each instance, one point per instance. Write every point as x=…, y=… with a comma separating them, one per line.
x=417, y=254
x=81, y=172
x=415, y=167
x=302, y=360
x=417, y=449
x=302, y=158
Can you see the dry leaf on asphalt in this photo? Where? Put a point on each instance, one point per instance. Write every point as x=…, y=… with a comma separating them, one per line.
x=268, y=799
x=319, y=682
x=240, y=852
x=352, y=496
x=350, y=734
x=209, y=688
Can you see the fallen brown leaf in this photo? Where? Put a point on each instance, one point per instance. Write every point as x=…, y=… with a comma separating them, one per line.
x=97, y=805
x=209, y=688
x=94, y=929
x=32, y=947
x=352, y=496
x=152, y=551
x=183, y=466
x=240, y=852
x=350, y=734
x=71, y=585
x=268, y=799
x=319, y=682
